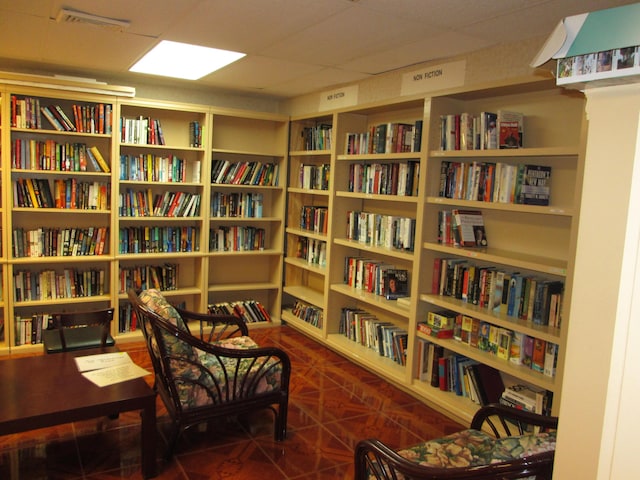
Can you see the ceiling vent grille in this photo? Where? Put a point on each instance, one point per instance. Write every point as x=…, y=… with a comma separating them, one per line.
x=72, y=16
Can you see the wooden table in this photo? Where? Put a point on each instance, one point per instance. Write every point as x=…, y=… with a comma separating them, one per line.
x=46, y=390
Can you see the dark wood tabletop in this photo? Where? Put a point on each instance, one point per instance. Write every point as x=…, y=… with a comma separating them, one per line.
x=45, y=390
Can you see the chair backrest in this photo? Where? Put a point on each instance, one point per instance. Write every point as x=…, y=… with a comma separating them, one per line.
x=79, y=330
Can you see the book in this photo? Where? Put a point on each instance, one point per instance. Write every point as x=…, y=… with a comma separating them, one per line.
x=510, y=126
x=435, y=331
x=396, y=283
x=535, y=188
x=469, y=228
x=488, y=381
x=104, y=166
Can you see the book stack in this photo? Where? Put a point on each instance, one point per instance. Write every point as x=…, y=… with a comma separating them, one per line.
x=525, y=397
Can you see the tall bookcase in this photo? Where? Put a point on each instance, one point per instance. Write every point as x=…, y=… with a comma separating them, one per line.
x=307, y=223
x=57, y=227
x=530, y=240
x=151, y=200
x=160, y=201
x=247, y=200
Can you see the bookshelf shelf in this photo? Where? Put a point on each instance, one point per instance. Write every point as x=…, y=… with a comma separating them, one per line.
x=515, y=259
x=555, y=210
x=306, y=294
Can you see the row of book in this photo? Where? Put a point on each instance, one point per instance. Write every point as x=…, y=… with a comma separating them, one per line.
x=136, y=203
x=27, y=112
x=127, y=318
x=314, y=218
x=514, y=347
x=317, y=137
x=478, y=382
x=378, y=230
x=462, y=228
x=310, y=314
x=59, y=241
x=143, y=277
x=237, y=238
x=33, y=154
x=50, y=284
x=237, y=204
x=497, y=182
x=158, y=168
x=483, y=131
x=458, y=374
x=157, y=239
x=395, y=137
x=375, y=276
x=141, y=130
x=29, y=328
x=385, y=338
x=314, y=177
x=312, y=250
x=67, y=193
x=250, y=311
x=517, y=295
x=398, y=178
x=226, y=172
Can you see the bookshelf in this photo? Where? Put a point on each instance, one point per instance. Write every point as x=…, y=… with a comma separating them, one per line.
x=246, y=208
x=535, y=241
x=157, y=154
x=57, y=231
x=373, y=229
x=307, y=223
x=161, y=227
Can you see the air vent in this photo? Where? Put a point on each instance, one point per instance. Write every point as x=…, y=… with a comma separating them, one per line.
x=72, y=16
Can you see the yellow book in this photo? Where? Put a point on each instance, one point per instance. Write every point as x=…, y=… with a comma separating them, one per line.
x=101, y=161
x=32, y=193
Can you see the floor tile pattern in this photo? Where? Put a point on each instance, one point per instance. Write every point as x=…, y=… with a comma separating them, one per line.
x=333, y=405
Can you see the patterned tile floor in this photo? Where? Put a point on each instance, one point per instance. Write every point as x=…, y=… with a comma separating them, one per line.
x=333, y=404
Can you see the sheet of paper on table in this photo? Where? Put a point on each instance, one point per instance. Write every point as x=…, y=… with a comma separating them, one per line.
x=109, y=368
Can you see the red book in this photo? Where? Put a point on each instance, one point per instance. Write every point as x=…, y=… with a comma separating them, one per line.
x=435, y=332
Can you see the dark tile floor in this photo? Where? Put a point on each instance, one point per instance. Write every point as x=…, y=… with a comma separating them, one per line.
x=333, y=404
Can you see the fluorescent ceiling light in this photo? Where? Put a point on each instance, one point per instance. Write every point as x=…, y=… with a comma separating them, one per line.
x=181, y=60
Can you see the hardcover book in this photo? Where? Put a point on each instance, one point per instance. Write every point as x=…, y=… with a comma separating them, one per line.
x=535, y=188
x=469, y=228
x=510, y=129
x=396, y=283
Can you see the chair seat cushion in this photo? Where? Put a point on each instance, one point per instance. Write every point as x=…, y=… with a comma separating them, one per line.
x=469, y=448
x=75, y=338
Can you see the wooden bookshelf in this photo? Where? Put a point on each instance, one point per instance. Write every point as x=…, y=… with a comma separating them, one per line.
x=531, y=239
x=139, y=243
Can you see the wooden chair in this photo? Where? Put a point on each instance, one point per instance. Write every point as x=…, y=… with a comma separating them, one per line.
x=501, y=443
x=200, y=380
x=78, y=330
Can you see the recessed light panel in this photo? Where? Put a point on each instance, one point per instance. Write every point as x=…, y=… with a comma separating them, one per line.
x=182, y=60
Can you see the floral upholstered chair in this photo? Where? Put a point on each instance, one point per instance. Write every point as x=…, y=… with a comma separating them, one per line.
x=502, y=443
x=198, y=380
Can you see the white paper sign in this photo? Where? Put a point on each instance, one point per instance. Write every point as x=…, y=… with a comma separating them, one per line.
x=102, y=360
x=434, y=77
x=339, y=98
x=120, y=373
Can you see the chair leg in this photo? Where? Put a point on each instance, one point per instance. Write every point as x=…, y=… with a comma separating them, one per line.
x=280, y=427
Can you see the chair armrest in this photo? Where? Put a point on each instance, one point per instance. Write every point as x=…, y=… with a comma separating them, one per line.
x=374, y=460
x=222, y=326
x=508, y=421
